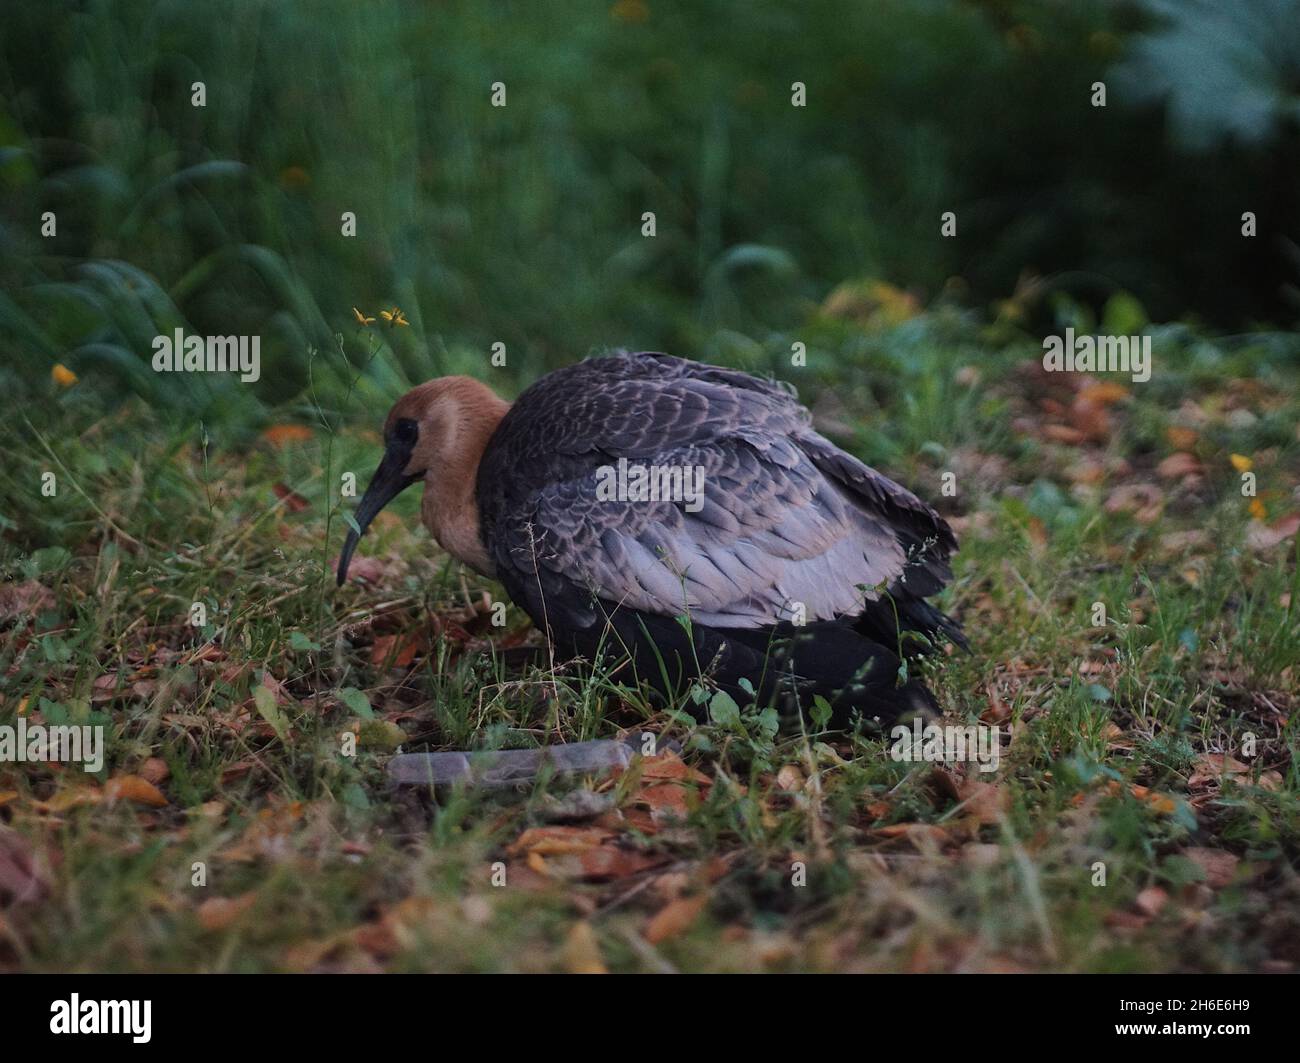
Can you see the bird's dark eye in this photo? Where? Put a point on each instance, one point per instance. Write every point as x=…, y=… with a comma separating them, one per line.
x=406, y=431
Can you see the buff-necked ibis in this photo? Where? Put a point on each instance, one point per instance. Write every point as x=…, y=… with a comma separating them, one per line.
x=795, y=566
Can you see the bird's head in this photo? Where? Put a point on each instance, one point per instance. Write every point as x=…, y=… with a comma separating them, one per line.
x=435, y=433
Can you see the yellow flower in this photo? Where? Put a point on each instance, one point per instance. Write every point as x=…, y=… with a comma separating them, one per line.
x=63, y=376
x=1257, y=509
x=1240, y=462
x=361, y=318
x=394, y=316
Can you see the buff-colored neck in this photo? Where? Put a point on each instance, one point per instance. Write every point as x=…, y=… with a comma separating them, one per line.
x=469, y=413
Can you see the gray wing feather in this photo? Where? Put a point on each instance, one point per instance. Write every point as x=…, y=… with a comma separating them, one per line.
x=787, y=518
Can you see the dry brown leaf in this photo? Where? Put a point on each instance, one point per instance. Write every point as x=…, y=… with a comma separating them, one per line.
x=154, y=770
x=557, y=841
x=364, y=567
x=21, y=881
x=1060, y=433
x=70, y=798
x=789, y=778
x=613, y=862
x=668, y=786
x=1177, y=465
x=293, y=501
x=997, y=710
x=1152, y=900
x=396, y=651
x=278, y=435
x=217, y=913
x=674, y=918
x=666, y=798
x=1103, y=392
x=984, y=802
x=1214, y=767
x=1091, y=419
x=1220, y=867
x=1144, y=500
x=670, y=766
x=23, y=599
x=1118, y=919
x=134, y=788
x=1261, y=536
x=582, y=951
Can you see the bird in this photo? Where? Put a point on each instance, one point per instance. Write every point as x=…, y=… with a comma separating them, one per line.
x=686, y=524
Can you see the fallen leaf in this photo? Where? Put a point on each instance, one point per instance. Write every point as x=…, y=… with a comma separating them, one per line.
x=613, y=862
x=1214, y=767
x=1091, y=419
x=789, y=779
x=395, y=651
x=1144, y=500
x=1177, y=465
x=1151, y=900
x=1261, y=536
x=154, y=770
x=217, y=913
x=278, y=435
x=265, y=702
x=984, y=802
x=293, y=501
x=1103, y=392
x=24, y=599
x=21, y=881
x=582, y=951
x=1220, y=867
x=553, y=841
x=363, y=567
x=134, y=788
x=70, y=798
x=674, y=918
x=670, y=766
x=1060, y=433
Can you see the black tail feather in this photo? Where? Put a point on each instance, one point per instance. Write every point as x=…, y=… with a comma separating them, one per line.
x=786, y=665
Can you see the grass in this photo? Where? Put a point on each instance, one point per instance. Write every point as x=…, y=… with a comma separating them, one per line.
x=796, y=850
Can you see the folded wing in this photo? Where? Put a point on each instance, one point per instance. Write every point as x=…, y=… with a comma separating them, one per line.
x=787, y=526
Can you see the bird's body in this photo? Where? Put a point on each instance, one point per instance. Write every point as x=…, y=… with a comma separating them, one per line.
x=792, y=566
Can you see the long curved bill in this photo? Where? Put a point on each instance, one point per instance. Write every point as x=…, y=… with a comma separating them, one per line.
x=388, y=482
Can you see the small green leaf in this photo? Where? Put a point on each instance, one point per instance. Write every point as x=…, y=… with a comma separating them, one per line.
x=299, y=641
x=723, y=710
x=357, y=702
x=270, y=712
x=53, y=712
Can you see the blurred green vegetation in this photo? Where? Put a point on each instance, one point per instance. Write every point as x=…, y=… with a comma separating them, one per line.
x=775, y=225
x=522, y=224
